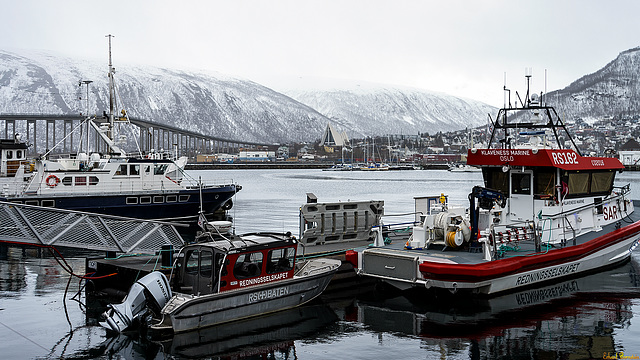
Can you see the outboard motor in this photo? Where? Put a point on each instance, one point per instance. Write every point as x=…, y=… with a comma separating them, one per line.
x=152, y=290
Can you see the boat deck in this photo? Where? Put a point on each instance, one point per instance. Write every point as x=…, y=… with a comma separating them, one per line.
x=439, y=252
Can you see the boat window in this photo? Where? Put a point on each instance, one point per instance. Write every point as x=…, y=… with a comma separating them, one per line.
x=145, y=200
x=601, y=182
x=184, y=198
x=158, y=199
x=81, y=181
x=18, y=154
x=521, y=184
x=248, y=265
x=147, y=169
x=280, y=260
x=172, y=198
x=206, y=262
x=192, y=262
x=578, y=183
x=132, y=200
x=93, y=180
x=134, y=170
x=544, y=183
x=67, y=180
x=496, y=179
x=9, y=154
x=48, y=203
x=160, y=169
x=122, y=169
x=31, y=202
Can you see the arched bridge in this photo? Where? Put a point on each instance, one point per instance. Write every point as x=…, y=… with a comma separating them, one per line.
x=68, y=133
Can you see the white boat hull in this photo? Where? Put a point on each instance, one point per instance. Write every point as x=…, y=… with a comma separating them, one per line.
x=607, y=257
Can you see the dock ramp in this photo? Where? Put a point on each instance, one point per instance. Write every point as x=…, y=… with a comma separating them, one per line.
x=37, y=225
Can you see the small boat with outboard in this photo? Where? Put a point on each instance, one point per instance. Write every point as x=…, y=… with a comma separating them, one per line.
x=221, y=278
x=145, y=185
x=340, y=167
x=463, y=168
x=545, y=212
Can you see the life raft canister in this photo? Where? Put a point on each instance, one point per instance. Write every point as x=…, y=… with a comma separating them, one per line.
x=52, y=180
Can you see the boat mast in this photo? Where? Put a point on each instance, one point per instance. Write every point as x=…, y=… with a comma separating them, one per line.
x=111, y=92
x=518, y=123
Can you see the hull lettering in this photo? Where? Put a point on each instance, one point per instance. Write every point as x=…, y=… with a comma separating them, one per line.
x=547, y=274
x=268, y=294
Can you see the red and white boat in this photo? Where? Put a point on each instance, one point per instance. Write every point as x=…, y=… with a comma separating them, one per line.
x=545, y=212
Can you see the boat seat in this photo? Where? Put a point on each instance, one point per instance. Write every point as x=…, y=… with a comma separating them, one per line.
x=283, y=265
x=246, y=269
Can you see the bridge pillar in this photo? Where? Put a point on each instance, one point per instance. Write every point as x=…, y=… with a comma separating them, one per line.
x=52, y=124
x=68, y=142
x=141, y=139
x=9, y=134
x=32, y=124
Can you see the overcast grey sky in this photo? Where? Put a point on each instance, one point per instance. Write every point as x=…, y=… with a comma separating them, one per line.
x=462, y=48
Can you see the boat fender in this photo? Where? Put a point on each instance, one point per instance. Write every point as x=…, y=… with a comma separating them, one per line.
x=52, y=180
x=228, y=205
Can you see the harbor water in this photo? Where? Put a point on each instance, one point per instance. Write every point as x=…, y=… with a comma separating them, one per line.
x=45, y=315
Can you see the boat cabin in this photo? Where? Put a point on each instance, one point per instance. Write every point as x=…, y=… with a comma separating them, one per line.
x=535, y=180
x=12, y=155
x=242, y=261
x=545, y=174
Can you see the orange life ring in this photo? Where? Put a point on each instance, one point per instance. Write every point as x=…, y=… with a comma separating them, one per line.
x=52, y=180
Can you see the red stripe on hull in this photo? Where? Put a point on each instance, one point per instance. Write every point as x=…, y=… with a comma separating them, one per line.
x=498, y=268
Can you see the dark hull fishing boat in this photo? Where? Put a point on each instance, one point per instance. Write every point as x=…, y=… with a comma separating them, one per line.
x=146, y=186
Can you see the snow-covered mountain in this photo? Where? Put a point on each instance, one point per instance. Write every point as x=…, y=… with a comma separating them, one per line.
x=610, y=92
x=215, y=105
x=219, y=105
x=372, y=109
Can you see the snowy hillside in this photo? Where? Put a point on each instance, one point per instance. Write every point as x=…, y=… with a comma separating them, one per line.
x=374, y=109
x=211, y=104
x=219, y=105
x=611, y=92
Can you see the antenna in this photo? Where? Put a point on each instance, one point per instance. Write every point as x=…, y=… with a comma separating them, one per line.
x=111, y=91
x=80, y=83
x=527, y=74
x=506, y=91
x=545, y=89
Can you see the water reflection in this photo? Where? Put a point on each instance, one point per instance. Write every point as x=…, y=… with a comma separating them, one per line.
x=268, y=337
x=576, y=318
x=263, y=335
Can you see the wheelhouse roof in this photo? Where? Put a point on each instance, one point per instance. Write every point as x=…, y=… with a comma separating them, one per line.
x=12, y=144
x=565, y=159
x=249, y=242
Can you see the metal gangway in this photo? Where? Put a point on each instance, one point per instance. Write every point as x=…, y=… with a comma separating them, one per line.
x=45, y=226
